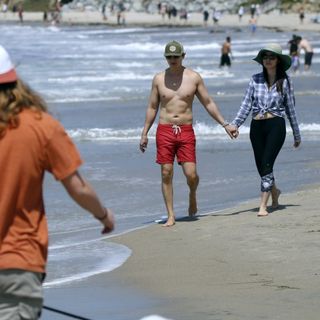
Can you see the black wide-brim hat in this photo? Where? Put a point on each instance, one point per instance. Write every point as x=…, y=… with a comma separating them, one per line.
x=276, y=49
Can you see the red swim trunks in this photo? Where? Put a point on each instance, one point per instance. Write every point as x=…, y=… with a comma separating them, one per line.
x=174, y=140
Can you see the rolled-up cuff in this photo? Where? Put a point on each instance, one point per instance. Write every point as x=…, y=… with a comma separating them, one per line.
x=297, y=137
x=267, y=182
x=235, y=123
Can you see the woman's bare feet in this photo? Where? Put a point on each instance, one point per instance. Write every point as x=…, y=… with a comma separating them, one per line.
x=263, y=212
x=275, y=198
x=170, y=222
x=193, y=209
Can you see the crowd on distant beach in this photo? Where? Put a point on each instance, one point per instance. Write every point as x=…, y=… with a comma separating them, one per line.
x=116, y=12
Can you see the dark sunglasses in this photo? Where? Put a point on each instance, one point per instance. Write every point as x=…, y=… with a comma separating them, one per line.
x=269, y=57
x=172, y=57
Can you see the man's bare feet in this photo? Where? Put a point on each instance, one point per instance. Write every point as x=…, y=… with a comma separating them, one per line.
x=170, y=222
x=275, y=198
x=193, y=209
x=263, y=212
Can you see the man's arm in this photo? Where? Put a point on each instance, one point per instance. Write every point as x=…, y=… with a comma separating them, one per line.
x=85, y=196
x=151, y=114
x=203, y=96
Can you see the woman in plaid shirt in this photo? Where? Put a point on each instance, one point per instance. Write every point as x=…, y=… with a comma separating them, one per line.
x=270, y=98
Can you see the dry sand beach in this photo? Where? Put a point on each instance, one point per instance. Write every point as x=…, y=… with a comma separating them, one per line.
x=231, y=264
x=274, y=20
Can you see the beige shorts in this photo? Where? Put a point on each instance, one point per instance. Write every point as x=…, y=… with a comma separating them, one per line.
x=21, y=295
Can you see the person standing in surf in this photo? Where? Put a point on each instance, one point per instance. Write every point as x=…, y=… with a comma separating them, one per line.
x=32, y=142
x=173, y=91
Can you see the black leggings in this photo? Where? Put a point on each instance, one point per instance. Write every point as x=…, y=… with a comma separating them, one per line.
x=267, y=138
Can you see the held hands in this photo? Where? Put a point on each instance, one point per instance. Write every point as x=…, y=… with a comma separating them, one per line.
x=143, y=143
x=232, y=131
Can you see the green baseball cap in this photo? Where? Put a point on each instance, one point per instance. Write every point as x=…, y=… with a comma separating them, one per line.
x=174, y=48
x=277, y=50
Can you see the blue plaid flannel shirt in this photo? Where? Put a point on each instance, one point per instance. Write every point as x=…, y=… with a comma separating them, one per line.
x=260, y=99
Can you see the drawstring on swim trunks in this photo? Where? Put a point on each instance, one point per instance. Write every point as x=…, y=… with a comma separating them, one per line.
x=176, y=129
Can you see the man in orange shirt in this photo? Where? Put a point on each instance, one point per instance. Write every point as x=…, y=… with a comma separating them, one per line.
x=31, y=142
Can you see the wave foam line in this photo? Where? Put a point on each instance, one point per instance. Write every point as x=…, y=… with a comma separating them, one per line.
x=118, y=76
x=111, y=259
x=202, y=131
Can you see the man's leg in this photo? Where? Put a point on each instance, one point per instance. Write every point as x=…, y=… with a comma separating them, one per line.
x=190, y=171
x=167, y=191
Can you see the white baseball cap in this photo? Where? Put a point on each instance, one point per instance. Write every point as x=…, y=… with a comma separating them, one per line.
x=7, y=71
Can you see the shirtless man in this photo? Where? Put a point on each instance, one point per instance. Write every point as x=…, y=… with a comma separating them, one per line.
x=173, y=90
x=226, y=53
x=305, y=45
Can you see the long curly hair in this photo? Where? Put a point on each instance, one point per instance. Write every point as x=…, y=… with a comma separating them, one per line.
x=14, y=97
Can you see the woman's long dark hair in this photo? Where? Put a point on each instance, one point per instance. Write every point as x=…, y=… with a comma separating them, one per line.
x=281, y=75
x=14, y=97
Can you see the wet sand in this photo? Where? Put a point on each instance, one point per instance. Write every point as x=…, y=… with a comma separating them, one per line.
x=231, y=264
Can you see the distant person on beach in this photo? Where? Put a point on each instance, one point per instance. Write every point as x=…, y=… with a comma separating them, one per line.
x=305, y=45
x=216, y=15
x=226, y=54
x=121, y=18
x=301, y=15
x=205, y=15
x=32, y=142
x=253, y=25
x=240, y=13
x=20, y=12
x=4, y=7
x=45, y=16
x=103, y=11
x=252, y=10
x=294, y=53
x=183, y=14
x=269, y=97
x=163, y=10
x=173, y=91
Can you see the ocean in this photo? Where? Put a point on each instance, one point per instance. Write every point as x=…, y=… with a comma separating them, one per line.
x=97, y=81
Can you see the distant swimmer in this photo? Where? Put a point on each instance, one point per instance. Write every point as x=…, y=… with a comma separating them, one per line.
x=173, y=92
x=226, y=54
x=294, y=53
x=305, y=45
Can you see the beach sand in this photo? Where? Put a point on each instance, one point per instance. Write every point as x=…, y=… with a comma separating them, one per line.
x=230, y=264
x=273, y=20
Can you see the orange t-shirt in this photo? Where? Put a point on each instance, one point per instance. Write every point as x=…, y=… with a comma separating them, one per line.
x=37, y=145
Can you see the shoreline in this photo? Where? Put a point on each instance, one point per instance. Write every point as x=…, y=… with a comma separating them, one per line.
x=275, y=21
x=227, y=265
